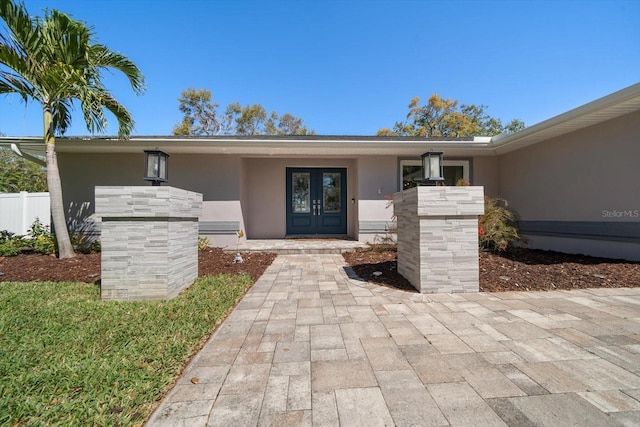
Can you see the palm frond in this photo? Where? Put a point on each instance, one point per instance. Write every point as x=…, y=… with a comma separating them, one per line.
x=125, y=121
x=54, y=61
x=61, y=111
x=104, y=57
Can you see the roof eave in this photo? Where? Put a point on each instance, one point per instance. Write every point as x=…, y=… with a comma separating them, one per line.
x=266, y=147
x=617, y=104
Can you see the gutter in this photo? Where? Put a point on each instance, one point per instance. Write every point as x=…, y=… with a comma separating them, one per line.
x=16, y=149
x=606, y=108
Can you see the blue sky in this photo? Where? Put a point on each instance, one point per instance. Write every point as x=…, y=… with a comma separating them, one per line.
x=351, y=67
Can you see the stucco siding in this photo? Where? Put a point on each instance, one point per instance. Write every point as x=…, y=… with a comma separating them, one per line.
x=377, y=181
x=584, y=177
x=216, y=177
x=577, y=176
x=265, y=192
x=81, y=173
x=484, y=170
x=264, y=184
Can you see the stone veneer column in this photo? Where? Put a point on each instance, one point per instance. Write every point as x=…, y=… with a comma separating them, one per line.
x=438, y=237
x=149, y=241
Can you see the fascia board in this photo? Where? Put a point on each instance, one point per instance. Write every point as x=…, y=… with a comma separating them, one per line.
x=606, y=108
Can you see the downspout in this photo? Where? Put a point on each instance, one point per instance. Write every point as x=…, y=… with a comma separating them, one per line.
x=16, y=149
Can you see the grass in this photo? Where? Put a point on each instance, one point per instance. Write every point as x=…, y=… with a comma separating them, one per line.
x=68, y=358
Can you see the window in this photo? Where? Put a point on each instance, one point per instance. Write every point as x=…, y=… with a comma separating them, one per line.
x=454, y=170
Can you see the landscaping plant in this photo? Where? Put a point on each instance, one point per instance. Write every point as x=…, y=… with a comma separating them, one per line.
x=41, y=240
x=498, y=227
x=203, y=243
x=10, y=244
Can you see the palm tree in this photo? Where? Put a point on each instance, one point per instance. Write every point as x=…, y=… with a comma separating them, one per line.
x=54, y=61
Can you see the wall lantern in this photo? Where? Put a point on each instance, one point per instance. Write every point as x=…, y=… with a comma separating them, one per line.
x=432, y=168
x=156, y=166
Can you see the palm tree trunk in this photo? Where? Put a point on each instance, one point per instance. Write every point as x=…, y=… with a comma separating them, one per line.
x=65, y=249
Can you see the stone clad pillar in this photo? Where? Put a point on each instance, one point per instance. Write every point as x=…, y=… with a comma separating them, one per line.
x=438, y=237
x=149, y=241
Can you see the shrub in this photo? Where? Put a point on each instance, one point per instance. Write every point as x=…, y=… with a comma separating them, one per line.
x=6, y=236
x=84, y=243
x=9, y=248
x=41, y=240
x=498, y=227
x=203, y=243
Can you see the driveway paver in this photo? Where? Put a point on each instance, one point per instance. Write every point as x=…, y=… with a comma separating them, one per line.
x=309, y=345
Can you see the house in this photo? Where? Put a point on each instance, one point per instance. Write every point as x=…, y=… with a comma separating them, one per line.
x=573, y=179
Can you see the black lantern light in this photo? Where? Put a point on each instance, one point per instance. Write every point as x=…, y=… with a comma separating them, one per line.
x=156, y=166
x=432, y=168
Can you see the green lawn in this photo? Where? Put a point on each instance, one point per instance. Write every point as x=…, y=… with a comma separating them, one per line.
x=68, y=358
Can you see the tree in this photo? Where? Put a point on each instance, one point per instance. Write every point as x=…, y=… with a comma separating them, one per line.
x=54, y=61
x=201, y=117
x=200, y=114
x=444, y=117
x=18, y=174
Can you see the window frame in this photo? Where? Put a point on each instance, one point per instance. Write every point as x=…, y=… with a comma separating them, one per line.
x=465, y=163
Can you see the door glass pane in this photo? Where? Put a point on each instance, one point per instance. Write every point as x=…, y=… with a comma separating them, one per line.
x=331, y=192
x=300, y=196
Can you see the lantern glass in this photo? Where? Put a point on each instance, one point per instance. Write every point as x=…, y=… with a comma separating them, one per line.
x=162, y=173
x=432, y=167
x=152, y=166
x=156, y=166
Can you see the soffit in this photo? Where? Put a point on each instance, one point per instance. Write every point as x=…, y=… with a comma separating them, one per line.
x=617, y=104
x=266, y=147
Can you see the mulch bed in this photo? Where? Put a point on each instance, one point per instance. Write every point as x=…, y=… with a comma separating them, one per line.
x=514, y=270
x=86, y=267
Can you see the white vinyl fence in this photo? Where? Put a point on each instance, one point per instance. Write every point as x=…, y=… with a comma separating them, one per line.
x=19, y=210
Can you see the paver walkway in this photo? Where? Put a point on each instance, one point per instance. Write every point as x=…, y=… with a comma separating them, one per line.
x=310, y=346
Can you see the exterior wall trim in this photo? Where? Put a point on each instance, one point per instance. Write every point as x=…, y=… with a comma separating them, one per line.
x=624, y=231
x=219, y=227
x=376, y=226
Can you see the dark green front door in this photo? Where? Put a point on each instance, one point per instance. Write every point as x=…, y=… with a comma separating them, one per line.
x=316, y=201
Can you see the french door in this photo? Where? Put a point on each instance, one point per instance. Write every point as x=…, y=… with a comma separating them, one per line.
x=316, y=201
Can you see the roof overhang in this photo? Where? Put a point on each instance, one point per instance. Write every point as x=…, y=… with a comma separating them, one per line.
x=617, y=104
x=261, y=146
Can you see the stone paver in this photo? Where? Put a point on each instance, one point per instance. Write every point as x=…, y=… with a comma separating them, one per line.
x=310, y=345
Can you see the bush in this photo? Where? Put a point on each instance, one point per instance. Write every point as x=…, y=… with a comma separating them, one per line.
x=9, y=248
x=203, y=243
x=10, y=244
x=85, y=244
x=41, y=239
x=6, y=236
x=498, y=227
